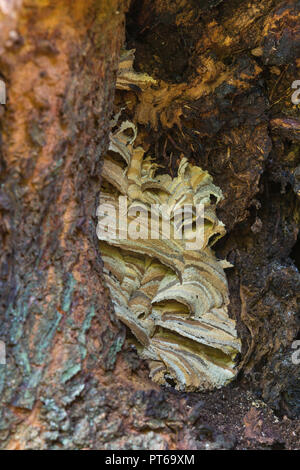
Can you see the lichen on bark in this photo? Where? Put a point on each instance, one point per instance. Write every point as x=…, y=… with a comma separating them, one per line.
x=69, y=381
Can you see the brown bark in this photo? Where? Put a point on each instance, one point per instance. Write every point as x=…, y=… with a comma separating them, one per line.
x=59, y=61
x=227, y=68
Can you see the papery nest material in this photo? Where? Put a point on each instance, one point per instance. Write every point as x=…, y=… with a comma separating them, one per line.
x=174, y=300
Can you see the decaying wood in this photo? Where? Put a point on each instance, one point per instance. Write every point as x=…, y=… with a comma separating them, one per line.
x=219, y=96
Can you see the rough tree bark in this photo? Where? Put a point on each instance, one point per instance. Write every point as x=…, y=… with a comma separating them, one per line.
x=59, y=60
x=71, y=380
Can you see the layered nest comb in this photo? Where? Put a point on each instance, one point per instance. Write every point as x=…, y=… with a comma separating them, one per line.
x=173, y=299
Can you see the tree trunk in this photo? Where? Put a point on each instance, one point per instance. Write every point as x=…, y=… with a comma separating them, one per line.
x=59, y=60
x=71, y=380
